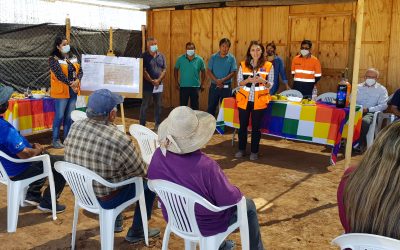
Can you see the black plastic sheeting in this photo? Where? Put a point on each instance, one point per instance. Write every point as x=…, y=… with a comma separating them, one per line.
x=25, y=49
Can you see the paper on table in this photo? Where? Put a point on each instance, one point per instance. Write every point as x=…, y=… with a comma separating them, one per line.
x=158, y=89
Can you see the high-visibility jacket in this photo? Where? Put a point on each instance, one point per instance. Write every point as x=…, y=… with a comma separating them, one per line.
x=306, y=69
x=261, y=92
x=58, y=88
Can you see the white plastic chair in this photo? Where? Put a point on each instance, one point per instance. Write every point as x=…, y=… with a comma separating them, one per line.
x=360, y=241
x=80, y=180
x=372, y=131
x=147, y=139
x=77, y=115
x=235, y=90
x=327, y=97
x=16, y=190
x=292, y=92
x=180, y=203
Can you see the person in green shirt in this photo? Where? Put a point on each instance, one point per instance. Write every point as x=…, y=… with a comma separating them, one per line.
x=187, y=76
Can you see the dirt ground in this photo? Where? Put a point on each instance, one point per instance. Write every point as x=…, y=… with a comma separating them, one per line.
x=292, y=183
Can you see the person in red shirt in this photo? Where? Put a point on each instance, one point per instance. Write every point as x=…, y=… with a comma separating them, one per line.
x=368, y=195
x=306, y=70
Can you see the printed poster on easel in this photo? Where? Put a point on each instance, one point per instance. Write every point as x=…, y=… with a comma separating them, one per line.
x=122, y=75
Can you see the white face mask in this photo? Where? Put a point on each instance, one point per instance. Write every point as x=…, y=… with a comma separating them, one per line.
x=370, y=82
x=65, y=49
x=304, y=52
x=190, y=52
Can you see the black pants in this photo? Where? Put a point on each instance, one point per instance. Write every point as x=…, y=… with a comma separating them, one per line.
x=36, y=169
x=256, y=118
x=305, y=88
x=192, y=93
x=215, y=96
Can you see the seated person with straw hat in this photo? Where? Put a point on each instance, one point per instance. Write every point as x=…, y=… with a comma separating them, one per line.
x=180, y=160
x=97, y=144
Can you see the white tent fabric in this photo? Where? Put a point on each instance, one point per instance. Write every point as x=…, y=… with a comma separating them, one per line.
x=81, y=15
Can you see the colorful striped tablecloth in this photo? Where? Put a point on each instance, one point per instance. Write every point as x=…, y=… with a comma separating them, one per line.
x=30, y=115
x=321, y=123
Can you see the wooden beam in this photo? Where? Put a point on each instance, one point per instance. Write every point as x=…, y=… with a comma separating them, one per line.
x=203, y=6
x=356, y=69
x=110, y=42
x=280, y=3
x=68, y=28
x=144, y=38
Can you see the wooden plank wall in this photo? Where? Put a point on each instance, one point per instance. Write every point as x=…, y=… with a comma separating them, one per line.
x=329, y=26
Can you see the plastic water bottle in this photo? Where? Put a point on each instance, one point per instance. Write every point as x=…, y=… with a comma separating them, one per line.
x=314, y=94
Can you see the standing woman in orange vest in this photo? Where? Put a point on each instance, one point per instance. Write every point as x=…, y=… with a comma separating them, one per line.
x=65, y=76
x=256, y=77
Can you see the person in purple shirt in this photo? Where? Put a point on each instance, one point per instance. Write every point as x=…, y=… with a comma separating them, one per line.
x=180, y=160
x=16, y=146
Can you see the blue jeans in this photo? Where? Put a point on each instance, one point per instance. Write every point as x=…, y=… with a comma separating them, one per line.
x=254, y=227
x=63, y=110
x=126, y=193
x=157, y=100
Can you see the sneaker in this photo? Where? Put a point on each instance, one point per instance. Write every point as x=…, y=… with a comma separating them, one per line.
x=253, y=156
x=227, y=245
x=239, y=154
x=119, y=224
x=45, y=206
x=57, y=144
x=31, y=200
x=137, y=236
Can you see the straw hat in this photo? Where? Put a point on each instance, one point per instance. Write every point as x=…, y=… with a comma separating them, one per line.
x=185, y=130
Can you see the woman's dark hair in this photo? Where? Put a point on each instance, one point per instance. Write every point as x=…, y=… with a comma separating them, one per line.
x=272, y=44
x=3, y=107
x=260, y=61
x=55, y=52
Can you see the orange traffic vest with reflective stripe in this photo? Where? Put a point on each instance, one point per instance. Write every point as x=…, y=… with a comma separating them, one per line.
x=305, y=69
x=261, y=92
x=58, y=88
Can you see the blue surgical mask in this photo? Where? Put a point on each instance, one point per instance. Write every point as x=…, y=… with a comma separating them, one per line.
x=153, y=48
x=65, y=49
x=190, y=52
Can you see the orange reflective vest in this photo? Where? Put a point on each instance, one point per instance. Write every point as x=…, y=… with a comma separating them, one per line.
x=261, y=92
x=305, y=69
x=58, y=88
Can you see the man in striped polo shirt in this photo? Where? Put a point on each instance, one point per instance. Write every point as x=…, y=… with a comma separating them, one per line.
x=306, y=70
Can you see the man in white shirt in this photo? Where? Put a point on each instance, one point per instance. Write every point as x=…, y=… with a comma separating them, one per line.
x=373, y=97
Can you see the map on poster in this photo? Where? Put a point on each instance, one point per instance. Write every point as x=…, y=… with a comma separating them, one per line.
x=121, y=75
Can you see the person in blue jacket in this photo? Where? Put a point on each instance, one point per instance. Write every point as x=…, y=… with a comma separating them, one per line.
x=279, y=68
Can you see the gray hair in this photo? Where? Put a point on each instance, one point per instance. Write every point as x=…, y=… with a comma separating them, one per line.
x=150, y=39
x=373, y=70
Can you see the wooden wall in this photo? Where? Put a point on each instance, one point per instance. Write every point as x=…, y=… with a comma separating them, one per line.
x=331, y=28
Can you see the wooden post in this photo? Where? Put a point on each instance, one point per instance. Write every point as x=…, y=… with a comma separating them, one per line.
x=356, y=69
x=68, y=28
x=111, y=53
x=123, y=114
x=110, y=50
x=143, y=38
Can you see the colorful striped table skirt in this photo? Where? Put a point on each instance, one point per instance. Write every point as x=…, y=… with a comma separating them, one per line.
x=321, y=123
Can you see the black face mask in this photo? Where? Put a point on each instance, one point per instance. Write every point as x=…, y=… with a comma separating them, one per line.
x=270, y=53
